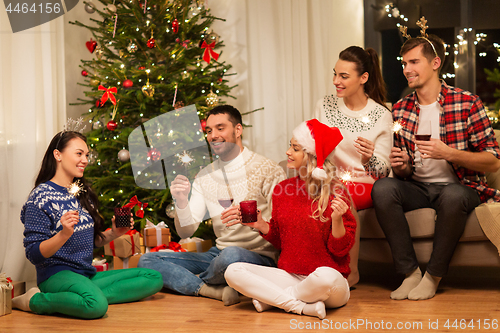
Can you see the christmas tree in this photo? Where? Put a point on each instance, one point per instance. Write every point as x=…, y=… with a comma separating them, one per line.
x=151, y=57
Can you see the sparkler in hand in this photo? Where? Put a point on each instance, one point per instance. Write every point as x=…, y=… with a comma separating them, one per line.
x=76, y=188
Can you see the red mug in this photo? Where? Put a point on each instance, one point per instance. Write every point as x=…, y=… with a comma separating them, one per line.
x=122, y=217
x=248, y=211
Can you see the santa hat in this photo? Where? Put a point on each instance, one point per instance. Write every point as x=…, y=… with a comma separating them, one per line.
x=319, y=140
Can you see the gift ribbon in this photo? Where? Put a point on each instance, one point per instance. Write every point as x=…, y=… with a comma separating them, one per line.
x=6, y=283
x=125, y=263
x=158, y=248
x=209, y=51
x=196, y=240
x=10, y=280
x=133, y=202
x=108, y=93
x=131, y=234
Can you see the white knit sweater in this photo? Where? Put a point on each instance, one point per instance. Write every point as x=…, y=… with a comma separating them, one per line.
x=250, y=176
x=373, y=122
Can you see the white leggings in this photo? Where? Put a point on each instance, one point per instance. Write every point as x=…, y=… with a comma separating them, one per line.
x=287, y=291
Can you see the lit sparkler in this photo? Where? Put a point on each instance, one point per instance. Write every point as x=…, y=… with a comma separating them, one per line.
x=76, y=188
x=346, y=176
x=397, y=126
x=185, y=159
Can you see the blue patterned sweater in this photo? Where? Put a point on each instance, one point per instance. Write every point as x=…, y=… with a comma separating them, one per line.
x=41, y=216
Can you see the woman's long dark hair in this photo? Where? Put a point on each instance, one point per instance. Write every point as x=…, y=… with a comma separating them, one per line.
x=367, y=61
x=87, y=197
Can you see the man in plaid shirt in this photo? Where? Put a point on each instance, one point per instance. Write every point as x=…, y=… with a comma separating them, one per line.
x=445, y=173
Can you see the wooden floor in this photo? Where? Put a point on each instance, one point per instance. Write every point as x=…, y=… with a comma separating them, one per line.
x=469, y=295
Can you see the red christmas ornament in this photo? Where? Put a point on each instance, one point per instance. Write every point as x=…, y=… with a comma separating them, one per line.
x=99, y=103
x=112, y=125
x=141, y=68
x=91, y=45
x=84, y=73
x=154, y=155
x=175, y=26
x=203, y=124
x=151, y=43
x=128, y=84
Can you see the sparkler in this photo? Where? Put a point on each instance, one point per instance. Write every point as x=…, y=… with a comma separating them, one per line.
x=185, y=159
x=76, y=188
x=346, y=176
x=397, y=126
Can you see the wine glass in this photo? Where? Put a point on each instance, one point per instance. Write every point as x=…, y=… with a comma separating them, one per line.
x=424, y=133
x=224, y=196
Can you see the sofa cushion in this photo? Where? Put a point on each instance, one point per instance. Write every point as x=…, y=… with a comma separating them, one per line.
x=488, y=215
x=466, y=254
x=421, y=223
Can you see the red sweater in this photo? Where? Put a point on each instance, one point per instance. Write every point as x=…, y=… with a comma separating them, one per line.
x=306, y=243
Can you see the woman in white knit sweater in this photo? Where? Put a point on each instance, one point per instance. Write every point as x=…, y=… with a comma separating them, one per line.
x=359, y=111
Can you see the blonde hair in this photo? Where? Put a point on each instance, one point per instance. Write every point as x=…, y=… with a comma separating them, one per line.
x=321, y=190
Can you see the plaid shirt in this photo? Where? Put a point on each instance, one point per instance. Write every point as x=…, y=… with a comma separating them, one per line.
x=463, y=125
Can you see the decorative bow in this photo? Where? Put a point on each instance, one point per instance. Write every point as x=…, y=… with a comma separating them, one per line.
x=108, y=93
x=133, y=202
x=176, y=247
x=209, y=51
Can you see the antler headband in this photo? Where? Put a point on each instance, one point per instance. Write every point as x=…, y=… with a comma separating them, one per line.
x=422, y=24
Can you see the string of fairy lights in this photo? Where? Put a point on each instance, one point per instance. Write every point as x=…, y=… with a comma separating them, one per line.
x=457, y=48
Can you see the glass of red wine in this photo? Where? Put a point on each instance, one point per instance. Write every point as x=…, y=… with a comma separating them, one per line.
x=424, y=133
x=224, y=197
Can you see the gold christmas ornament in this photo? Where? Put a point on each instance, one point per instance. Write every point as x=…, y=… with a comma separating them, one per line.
x=99, y=52
x=94, y=82
x=212, y=99
x=148, y=90
x=212, y=37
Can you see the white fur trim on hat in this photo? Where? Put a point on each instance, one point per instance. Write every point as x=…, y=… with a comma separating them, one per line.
x=319, y=174
x=303, y=135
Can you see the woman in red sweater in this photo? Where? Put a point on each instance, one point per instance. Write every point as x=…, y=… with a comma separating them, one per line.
x=313, y=227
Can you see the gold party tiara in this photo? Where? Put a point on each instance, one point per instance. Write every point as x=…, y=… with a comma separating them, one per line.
x=422, y=25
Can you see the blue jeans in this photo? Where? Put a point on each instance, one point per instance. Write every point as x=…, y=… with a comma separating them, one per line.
x=453, y=203
x=180, y=269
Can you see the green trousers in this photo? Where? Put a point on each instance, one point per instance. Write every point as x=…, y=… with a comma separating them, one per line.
x=75, y=295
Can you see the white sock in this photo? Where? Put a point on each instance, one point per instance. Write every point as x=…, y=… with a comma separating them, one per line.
x=411, y=281
x=315, y=310
x=22, y=302
x=426, y=288
x=260, y=306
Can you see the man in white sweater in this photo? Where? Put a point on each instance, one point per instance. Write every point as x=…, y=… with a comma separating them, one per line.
x=242, y=175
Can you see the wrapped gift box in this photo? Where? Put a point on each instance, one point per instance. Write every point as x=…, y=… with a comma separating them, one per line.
x=18, y=288
x=153, y=235
x=124, y=263
x=143, y=247
x=100, y=265
x=124, y=246
x=5, y=295
x=196, y=244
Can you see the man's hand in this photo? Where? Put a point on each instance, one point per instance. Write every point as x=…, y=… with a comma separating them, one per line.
x=434, y=148
x=231, y=216
x=400, y=162
x=179, y=189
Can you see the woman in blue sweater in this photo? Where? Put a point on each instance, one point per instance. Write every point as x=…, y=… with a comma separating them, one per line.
x=61, y=231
